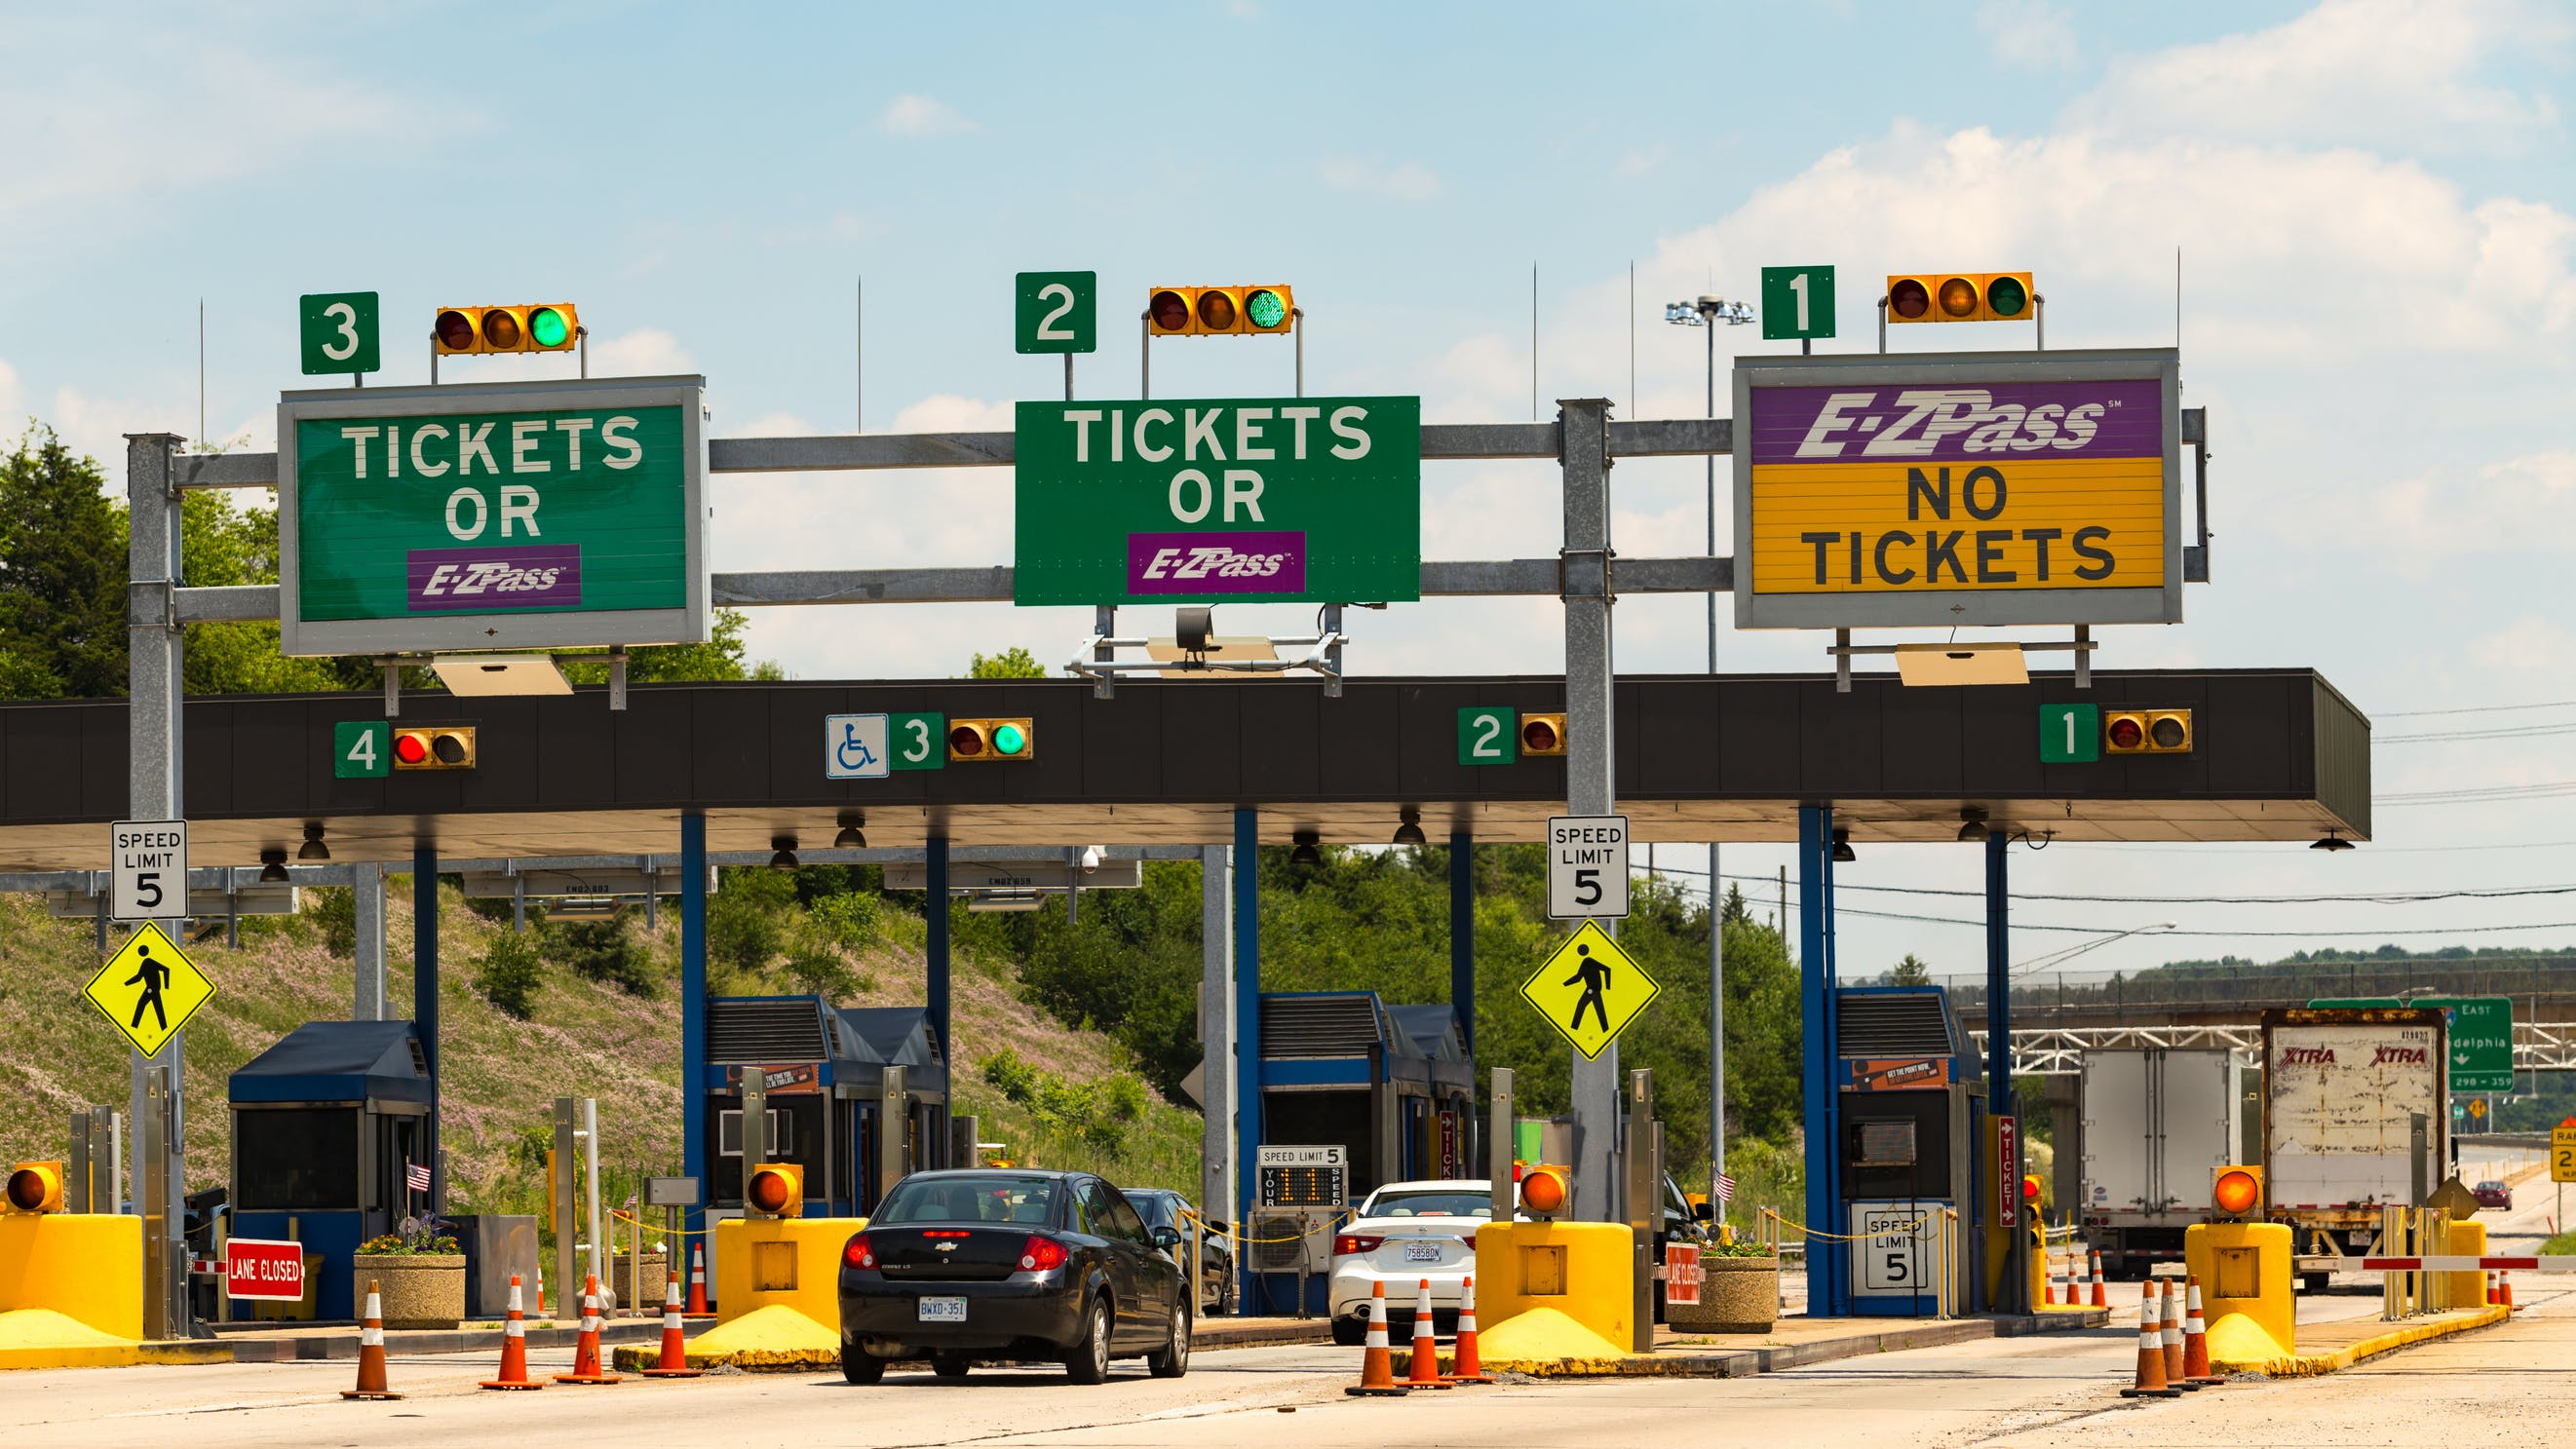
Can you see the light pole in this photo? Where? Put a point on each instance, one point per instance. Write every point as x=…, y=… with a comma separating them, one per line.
x=2060, y=958
x=1707, y=312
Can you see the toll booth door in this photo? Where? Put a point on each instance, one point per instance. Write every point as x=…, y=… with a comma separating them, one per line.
x=398, y=1142
x=863, y=1156
x=1418, y=1140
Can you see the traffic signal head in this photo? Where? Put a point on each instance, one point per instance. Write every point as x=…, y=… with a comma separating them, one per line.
x=434, y=747
x=1218, y=309
x=1211, y=311
x=36, y=1187
x=2146, y=732
x=991, y=739
x=775, y=1190
x=1542, y=734
x=1269, y=309
x=554, y=327
x=1960, y=297
x=1168, y=311
x=541, y=327
x=1547, y=1192
x=2236, y=1190
x=459, y=329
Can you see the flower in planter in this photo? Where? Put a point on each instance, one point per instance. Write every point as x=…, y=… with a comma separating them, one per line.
x=418, y=1237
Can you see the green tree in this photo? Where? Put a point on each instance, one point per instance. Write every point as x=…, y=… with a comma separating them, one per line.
x=62, y=574
x=511, y=975
x=1012, y=663
x=725, y=655
x=1912, y=971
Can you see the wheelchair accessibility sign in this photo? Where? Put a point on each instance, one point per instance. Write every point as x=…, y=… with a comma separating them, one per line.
x=854, y=747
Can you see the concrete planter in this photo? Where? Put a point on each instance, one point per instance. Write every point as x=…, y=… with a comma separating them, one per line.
x=1739, y=1295
x=656, y=1269
x=419, y=1290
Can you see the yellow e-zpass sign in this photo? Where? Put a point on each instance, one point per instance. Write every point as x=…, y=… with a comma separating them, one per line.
x=1957, y=489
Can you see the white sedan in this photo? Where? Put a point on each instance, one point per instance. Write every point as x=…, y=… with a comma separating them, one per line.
x=1404, y=1233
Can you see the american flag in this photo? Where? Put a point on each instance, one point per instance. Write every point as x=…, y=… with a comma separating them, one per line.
x=630, y=1202
x=1725, y=1188
x=416, y=1176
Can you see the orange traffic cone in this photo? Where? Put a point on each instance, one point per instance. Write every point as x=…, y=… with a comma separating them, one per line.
x=371, y=1352
x=1426, y=1352
x=2491, y=1288
x=2151, y=1352
x=2504, y=1287
x=1469, y=1368
x=697, y=1280
x=675, y=1356
x=514, y=1348
x=2047, y=1280
x=2174, y=1376
x=2100, y=1299
x=1377, y=1365
x=585, y=1353
x=2195, y=1341
x=541, y=1288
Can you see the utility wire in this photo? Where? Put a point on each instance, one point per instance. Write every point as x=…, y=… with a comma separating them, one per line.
x=2364, y=898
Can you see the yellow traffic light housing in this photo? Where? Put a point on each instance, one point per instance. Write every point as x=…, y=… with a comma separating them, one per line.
x=554, y=327
x=1542, y=735
x=534, y=327
x=457, y=330
x=775, y=1190
x=1217, y=309
x=2146, y=732
x=434, y=747
x=980, y=740
x=1961, y=297
x=1269, y=310
x=36, y=1187
x=1171, y=311
x=1547, y=1192
x=1220, y=311
x=2236, y=1190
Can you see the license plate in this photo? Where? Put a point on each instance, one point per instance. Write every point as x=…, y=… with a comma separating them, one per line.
x=943, y=1310
x=1422, y=1252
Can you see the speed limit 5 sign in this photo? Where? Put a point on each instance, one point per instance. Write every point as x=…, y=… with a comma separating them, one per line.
x=1587, y=866
x=150, y=881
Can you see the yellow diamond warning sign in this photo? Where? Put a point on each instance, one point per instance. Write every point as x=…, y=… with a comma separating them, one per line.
x=149, y=989
x=1589, y=990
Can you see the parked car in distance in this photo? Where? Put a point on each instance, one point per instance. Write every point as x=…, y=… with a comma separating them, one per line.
x=986, y=1264
x=2493, y=1194
x=1163, y=1208
x=1402, y=1234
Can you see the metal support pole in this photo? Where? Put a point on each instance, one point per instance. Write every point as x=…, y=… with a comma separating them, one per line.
x=1216, y=1038
x=693, y=1011
x=2015, y=1297
x=1247, y=1025
x=1645, y=1208
x=367, y=885
x=1825, y=1257
x=1297, y=329
x=2038, y=322
x=157, y=790
x=1882, y=324
x=1716, y=889
x=424, y=1002
x=1583, y=440
x=1104, y=623
x=567, y=1158
x=1462, y=936
x=1499, y=1147
x=935, y=913
x=594, y=1227
x=1145, y=353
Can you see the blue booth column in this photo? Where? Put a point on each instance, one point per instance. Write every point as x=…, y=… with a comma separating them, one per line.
x=1462, y=936
x=934, y=857
x=693, y=1010
x=1247, y=1030
x=424, y=1001
x=1828, y=1261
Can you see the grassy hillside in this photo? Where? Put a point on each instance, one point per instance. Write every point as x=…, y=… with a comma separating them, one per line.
x=584, y=1038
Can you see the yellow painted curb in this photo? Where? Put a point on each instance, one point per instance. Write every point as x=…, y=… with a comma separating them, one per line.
x=2308, y=1365
x=39, y=1338
x=775, y=1338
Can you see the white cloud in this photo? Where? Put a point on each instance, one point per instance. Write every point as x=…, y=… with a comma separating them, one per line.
x=949, y=413
x=2429, y=518
x=1404, y=181
x=1643, y=160
x=2397, y=73
x=920, y=116
x=2031, y=33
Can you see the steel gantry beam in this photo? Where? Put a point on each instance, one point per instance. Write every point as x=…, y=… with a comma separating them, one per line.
x=2046, y=1051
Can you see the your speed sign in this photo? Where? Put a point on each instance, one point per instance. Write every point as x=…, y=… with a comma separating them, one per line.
x=1587, y=866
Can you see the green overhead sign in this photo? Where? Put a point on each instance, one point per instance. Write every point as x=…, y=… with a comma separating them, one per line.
x=2480, y=1036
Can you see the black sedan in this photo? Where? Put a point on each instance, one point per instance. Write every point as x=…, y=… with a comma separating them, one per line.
x=1011, y=1265
x=1163, y=1208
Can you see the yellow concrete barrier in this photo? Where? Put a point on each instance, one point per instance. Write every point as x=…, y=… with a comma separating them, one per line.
x=1583, y=1274
x=783, y=1262
x=2244, y=1273
x=85, y=1266
x=2468, y=1290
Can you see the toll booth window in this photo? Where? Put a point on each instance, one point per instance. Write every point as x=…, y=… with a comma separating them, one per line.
x=979, y=1199
x=1886, y=1144
x=296, y=1159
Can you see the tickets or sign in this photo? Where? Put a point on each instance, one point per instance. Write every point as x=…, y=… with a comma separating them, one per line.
x=1315, y=500
x=1587, y=866
x=1884, y=491
x=1590, y=990
x=150, y=875
x=264, y=1268
x=149, y=989
x=2562, y=1154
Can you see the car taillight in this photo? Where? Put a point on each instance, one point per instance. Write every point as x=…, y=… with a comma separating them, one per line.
x=1040, y=1254
x=1347, y=1243
x=859, y=1253
x=1468, y=1238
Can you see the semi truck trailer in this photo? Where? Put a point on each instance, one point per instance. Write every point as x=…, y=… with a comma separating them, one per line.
x=2157, y=1123
x=2356, y=1108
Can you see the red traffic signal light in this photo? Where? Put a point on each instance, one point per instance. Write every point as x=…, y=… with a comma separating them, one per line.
x=2237, y=1190
x=1542, y=734
x=434, y=747
x=1546, y=1191
x=36, y=1187
x=2146, y=732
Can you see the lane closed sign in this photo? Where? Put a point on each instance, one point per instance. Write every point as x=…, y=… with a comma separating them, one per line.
x=1587, y=866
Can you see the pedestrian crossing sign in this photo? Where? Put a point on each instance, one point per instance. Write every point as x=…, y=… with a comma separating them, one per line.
x=1590, y=990
x=149, y=989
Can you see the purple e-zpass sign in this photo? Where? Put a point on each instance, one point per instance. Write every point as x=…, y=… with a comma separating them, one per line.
x=2116, y=418
x=508, y=576
x=1216, y=563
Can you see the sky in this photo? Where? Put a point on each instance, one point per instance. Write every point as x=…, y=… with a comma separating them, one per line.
x=2357, y=220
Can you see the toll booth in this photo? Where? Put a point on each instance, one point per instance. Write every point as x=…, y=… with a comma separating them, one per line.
x=1904, y=1153
x=324, y=1124
x=826, y=1075
x=1392, y=1086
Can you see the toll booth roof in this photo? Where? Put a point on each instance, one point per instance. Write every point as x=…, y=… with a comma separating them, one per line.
x=339, y=1061
x=1433, y=1030
x=897, y=1035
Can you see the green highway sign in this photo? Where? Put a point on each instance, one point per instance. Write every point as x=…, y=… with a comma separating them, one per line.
x=1237, y=500
x=492, y=516
x=362, y=749
x=1057, y=312
x=2480, y=1036
x=339, y=331
x=918, y=741
x=1489, y=735
x=1797, y=302
x=2070, y=734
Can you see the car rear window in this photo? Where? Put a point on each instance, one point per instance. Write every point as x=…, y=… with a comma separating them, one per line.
x=1444, y=1203
x=994, y=1199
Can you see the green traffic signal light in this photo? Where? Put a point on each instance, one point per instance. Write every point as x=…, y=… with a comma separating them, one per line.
x=1265, y=309
x=2006, y=297
x=548, y=327
x=1008, y=740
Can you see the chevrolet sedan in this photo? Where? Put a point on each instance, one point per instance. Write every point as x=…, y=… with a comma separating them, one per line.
x=987, y=1265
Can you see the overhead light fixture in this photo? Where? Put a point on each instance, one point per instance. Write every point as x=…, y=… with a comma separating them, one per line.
x=313, y=848
x=471, y=675
x=1842, y=847
x=2332, y=842
x=1972, y=828
x=851, y=836
x=1194, y=629
x=272, y=865
x=784, y=847
x=1306, y=853
x=1410, y=832
x=1958, y=664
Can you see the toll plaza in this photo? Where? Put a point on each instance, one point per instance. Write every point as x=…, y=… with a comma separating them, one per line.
x=1904, y=1168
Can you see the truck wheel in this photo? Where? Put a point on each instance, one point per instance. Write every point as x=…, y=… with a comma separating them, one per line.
x=2312, y=1282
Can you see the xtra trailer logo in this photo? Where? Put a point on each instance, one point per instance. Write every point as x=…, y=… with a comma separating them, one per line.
x=2002, y=486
